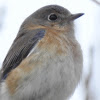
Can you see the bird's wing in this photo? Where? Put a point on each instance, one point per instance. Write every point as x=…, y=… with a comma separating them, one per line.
x=20, y=48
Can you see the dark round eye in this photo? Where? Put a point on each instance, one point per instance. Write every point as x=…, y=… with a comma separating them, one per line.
x=52, y=17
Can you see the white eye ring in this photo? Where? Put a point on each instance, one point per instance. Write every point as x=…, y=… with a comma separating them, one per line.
x=52, y=17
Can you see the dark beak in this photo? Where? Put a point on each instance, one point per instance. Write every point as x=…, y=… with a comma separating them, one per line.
x=75, y=16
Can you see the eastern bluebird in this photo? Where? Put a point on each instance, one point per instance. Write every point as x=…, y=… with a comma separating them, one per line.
x=45, y=60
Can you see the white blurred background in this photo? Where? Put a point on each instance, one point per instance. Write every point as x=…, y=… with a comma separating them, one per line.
x=13, y=13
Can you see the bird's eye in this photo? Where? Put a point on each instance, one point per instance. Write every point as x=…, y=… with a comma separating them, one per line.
x=52, y=17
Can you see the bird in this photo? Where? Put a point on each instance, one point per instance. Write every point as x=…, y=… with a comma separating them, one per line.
x=45, y=60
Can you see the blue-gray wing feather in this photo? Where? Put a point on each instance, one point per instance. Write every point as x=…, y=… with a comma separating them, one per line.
x=20, y=48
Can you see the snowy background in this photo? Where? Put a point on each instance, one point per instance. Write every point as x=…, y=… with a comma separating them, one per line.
x=13, y=13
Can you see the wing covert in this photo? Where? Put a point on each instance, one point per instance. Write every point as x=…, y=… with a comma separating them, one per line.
x=20, y=48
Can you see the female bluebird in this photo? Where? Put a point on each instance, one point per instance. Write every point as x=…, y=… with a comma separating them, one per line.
x=45, y=60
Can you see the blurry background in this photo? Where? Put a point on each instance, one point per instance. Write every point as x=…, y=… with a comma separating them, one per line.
x=13, y=12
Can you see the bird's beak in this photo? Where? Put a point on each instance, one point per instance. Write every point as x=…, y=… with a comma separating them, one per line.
x=75, y=16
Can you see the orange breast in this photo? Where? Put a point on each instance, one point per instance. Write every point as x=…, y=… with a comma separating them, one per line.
x=54, y=41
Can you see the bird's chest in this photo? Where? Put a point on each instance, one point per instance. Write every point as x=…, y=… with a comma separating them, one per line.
x=56, y=76
x=49, y=76
x=48, y=73
x=50, y=79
